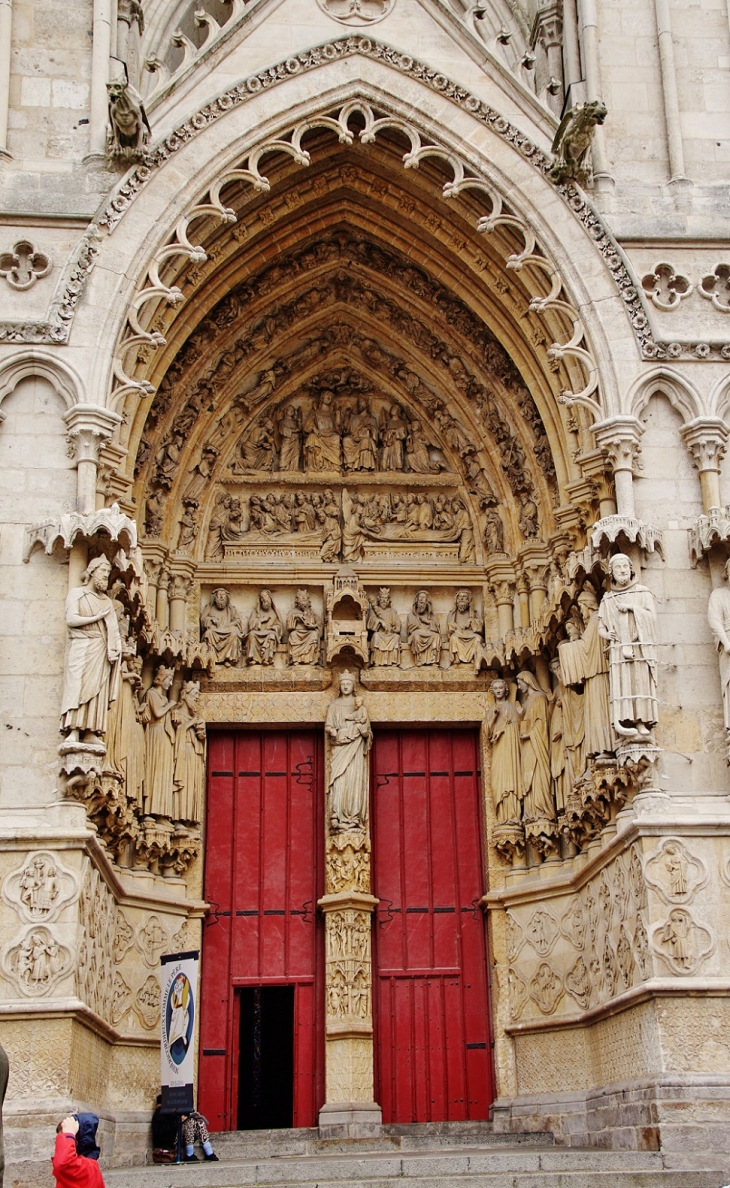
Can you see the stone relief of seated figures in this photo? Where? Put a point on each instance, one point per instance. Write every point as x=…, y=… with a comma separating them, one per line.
x=222, y=628
x=264, y=632
x=465, y=630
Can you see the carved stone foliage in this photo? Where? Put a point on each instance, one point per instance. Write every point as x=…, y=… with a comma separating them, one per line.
x=582, y=949
x=41, y=888
x=675, y=873
x=349, y=975
x=36, y=960
x=95, y=962
x=682, y=942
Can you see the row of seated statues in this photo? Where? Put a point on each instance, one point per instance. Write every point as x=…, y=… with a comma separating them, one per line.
x=232, y=643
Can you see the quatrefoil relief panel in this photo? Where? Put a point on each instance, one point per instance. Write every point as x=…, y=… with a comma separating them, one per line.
x=24, y=265
x=716, y=287
x=356, y=12
x=665, y=287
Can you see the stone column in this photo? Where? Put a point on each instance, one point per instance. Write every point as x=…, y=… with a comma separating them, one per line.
x=706, y=440
x=350, y=1110
x=163, y=585
x=523, y=594
x=620, y=438
x=178, y=592
x=501, y=576
x=89, y=427
x=6, y=28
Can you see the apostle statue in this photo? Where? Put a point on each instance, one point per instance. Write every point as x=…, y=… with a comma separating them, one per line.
x=424, y=633
x=718, y=616
x=265, y=630
x=93, y=653
x=222, y=629
x=539, y=802
x=503, y=730
x=567, y=737
x=465, y=630
x=305, y=631
x=627, y=619
x=125, y=734
x=584, y=668
x=348, y=729
x=189, y=757
x=159, y=745
x=384, y=622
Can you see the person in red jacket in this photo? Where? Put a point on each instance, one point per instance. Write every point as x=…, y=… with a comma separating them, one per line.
x=71, y=1169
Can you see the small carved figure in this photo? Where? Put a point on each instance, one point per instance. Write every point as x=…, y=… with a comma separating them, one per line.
x=573, y=140
x=718, y=616
x=348, y=728
x=305, y=631
x=463, y=527
x=189, y=758
x=290, y=437
x=676, y=865
x=93, y=654
x=257, y=450
x=322, y=445
x=329, y=517
x=360, y=444
x=265, y=631
x=418, y=453
x=529, y=524
x=493, y=531
x=353, y=537
x=218, y=521
x=627, y=619
x=424, y=633
x=188, y=524
x=503, y=729
x=385, y=624
x=129, y=128
x=153, y=513
x=539, y=803
x=465, y=630
x=39, y=887
x=394, y=434
x=159, y=745
x=222, y=628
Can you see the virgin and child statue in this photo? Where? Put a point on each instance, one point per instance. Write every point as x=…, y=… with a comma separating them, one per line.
x=348, y=729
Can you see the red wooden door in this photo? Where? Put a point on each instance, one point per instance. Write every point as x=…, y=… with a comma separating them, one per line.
x=263, y=876
x=432, y=1046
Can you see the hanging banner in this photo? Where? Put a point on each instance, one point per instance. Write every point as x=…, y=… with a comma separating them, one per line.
x=179, y=986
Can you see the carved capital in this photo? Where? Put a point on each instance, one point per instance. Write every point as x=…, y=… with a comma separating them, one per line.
x=706, y=440
x=89, y=427
x=620, y=439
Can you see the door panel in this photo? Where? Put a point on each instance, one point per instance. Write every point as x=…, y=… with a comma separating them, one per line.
x=433, y=1060
x=263, y=875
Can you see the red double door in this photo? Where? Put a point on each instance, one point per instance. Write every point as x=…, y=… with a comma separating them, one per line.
x=263, y=954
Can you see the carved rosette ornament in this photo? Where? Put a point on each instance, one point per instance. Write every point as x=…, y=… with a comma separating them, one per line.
x=348, y=907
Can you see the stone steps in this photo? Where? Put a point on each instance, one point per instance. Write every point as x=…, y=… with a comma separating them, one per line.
x=514, y=1164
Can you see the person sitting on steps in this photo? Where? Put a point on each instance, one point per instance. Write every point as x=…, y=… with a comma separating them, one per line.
x=194, y=1128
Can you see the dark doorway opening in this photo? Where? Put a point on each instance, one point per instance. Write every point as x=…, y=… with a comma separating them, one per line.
x=266, y=1058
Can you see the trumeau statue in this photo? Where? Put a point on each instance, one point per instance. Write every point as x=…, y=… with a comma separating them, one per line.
x=348, y=729
x=718, y=616
x=93, y=653
x=222, y=629
x=305, y=631
x=627, y=619
x=465, y=630
x=424, y=633
x=503, y=728
x=189, y=757
x=264, y=632
x=385, y=624
x=159, y=745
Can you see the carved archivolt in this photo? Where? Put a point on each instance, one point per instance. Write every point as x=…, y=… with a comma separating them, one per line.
x=36, y=960
x=41, y=888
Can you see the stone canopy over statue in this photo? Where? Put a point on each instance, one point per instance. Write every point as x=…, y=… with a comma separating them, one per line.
x=348, y=729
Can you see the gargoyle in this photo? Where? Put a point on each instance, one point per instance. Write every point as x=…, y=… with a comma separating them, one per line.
x=573, y=140
x=129, y=128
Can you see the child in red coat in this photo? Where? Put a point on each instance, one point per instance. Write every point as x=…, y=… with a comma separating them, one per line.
x=71, y=1169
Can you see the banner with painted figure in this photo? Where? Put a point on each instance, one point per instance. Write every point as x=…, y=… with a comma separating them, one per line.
x=179, y=986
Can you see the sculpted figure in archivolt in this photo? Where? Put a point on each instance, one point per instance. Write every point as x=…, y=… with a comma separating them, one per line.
x=718, y=616
x=348, y=729
x=93, y=652
x=627, y=619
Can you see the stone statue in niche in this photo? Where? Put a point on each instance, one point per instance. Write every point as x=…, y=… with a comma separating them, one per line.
x=188, y=524
x=385, y=624
x=718, y=616
x=189, y=758
x=539, y=802
x=264, y=632
x=222, y=628
x=348, y=729
x=493, y=531
x=584, y=666
x=305, y=631
x=424, y=633
x=360, y=443
x=125, y=734
x=465, y=631
x=627, y=619
x=154, y=509
x=567, y=737
x=290, y=438
x=322, y=444
x=393, y=436
x=503, y=729
x=93, y=655
x=159, y=745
